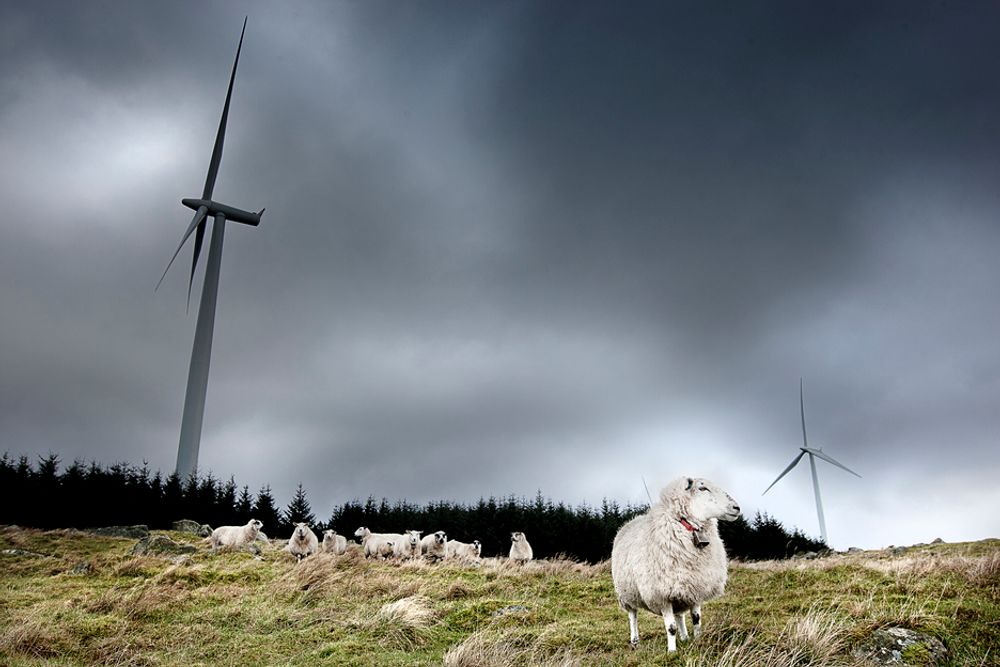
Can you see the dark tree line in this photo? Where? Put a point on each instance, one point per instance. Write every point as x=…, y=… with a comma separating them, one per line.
x=90, y=495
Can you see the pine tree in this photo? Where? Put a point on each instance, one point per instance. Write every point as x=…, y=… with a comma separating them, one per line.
x=244, y=506
x=265, y=511
x=298, y=511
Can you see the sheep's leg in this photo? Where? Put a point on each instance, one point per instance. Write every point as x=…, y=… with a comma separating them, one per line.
x=633, y=627
x=668, y=621
x=696, y=619
x=682, y=628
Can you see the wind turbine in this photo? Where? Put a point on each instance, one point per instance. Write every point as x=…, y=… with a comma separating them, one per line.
x=201, y=353
x=813, y=454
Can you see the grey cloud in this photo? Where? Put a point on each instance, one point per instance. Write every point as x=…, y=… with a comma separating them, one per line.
x=508, y=247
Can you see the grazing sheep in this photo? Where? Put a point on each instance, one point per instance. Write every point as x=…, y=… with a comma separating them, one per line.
x=235, y=536
x=303, y=542
x=464, y=550
x=434, y=546
x=408, y=546
x=333, y=543
x=520, y=550
x=374, y=543
x=671, y=559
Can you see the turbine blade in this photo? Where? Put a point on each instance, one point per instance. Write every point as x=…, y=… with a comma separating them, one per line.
x=198, y=217
x=220, y=137
x=802, y=408
x=199, y=238
x=785, y=471
x=829, y=459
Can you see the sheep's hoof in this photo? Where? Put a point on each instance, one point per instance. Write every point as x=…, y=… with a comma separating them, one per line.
x=633, y=644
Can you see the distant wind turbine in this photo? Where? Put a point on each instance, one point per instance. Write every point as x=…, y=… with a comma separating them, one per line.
x=813, y=454
x=201, y=353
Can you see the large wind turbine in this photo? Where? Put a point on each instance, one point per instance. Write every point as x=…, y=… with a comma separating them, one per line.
x=813, y=454
x=201, y=353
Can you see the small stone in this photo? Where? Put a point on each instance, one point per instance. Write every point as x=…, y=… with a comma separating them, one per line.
x=892, y=646
x=937, y=540
x=22, y=552
x=853, y=550
x=187, y=526
x=82, y=568
x=512, y=609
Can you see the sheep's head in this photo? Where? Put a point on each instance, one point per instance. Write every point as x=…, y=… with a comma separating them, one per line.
x=701, y=500
x=301, y=530
x=516, y=537
x=477, y=546
x=413, y=537
x=329, y=534
x=440, y=537
x=255, y=524
x=361, y=532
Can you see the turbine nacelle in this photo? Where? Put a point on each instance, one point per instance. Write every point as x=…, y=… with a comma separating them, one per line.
x=213, y=208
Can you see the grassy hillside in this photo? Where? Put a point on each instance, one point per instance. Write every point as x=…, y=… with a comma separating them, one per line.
x=71, y=598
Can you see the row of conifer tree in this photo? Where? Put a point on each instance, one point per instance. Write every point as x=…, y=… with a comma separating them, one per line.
x=82, y=495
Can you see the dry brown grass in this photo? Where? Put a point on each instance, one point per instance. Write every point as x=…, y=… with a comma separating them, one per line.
x=981, y=570
x=818, y=638
x=509, y=649
x=29, y=634
x=402, y=624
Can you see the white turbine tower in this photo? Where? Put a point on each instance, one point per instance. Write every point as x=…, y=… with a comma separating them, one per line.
x=813, y=454
x=201, y=353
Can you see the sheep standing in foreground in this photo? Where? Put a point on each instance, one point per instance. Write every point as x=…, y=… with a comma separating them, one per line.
x=235, y=536
x=520, y=550
x=374, y=543
x=671, y=559
x=464, y=550
x=408, y=546
x=434, y=546
x=333, y=543
x=303, y=542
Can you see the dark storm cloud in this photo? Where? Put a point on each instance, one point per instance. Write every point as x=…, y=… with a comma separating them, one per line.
x=514, y=246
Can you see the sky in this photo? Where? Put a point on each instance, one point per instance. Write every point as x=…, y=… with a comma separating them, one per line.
x=518, y=246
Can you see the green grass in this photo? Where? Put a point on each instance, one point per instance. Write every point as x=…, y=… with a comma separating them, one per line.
x=232, y=608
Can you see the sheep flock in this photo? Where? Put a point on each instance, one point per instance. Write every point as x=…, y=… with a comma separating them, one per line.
x=668, y=561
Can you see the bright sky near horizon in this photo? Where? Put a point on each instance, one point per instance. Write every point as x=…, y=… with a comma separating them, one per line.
x=518, y=246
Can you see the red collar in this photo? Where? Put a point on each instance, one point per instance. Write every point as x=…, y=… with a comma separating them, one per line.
x=687, y=524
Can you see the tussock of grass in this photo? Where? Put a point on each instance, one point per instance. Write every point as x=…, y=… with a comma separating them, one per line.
x=239, y=608
x=509, y=649
x=402, y=624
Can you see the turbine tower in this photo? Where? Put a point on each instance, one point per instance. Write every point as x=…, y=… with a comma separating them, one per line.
x=813, y=453
x=201, y=353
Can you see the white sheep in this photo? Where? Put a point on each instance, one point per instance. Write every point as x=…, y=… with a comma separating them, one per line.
x=408, y=546
x=671, y=559
x=464, y=550
x=333, y=543
x=303, y=542
x=434, y=545
x=235, y=536
x=520, y=550
x=385, y=549
x=374, y=543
